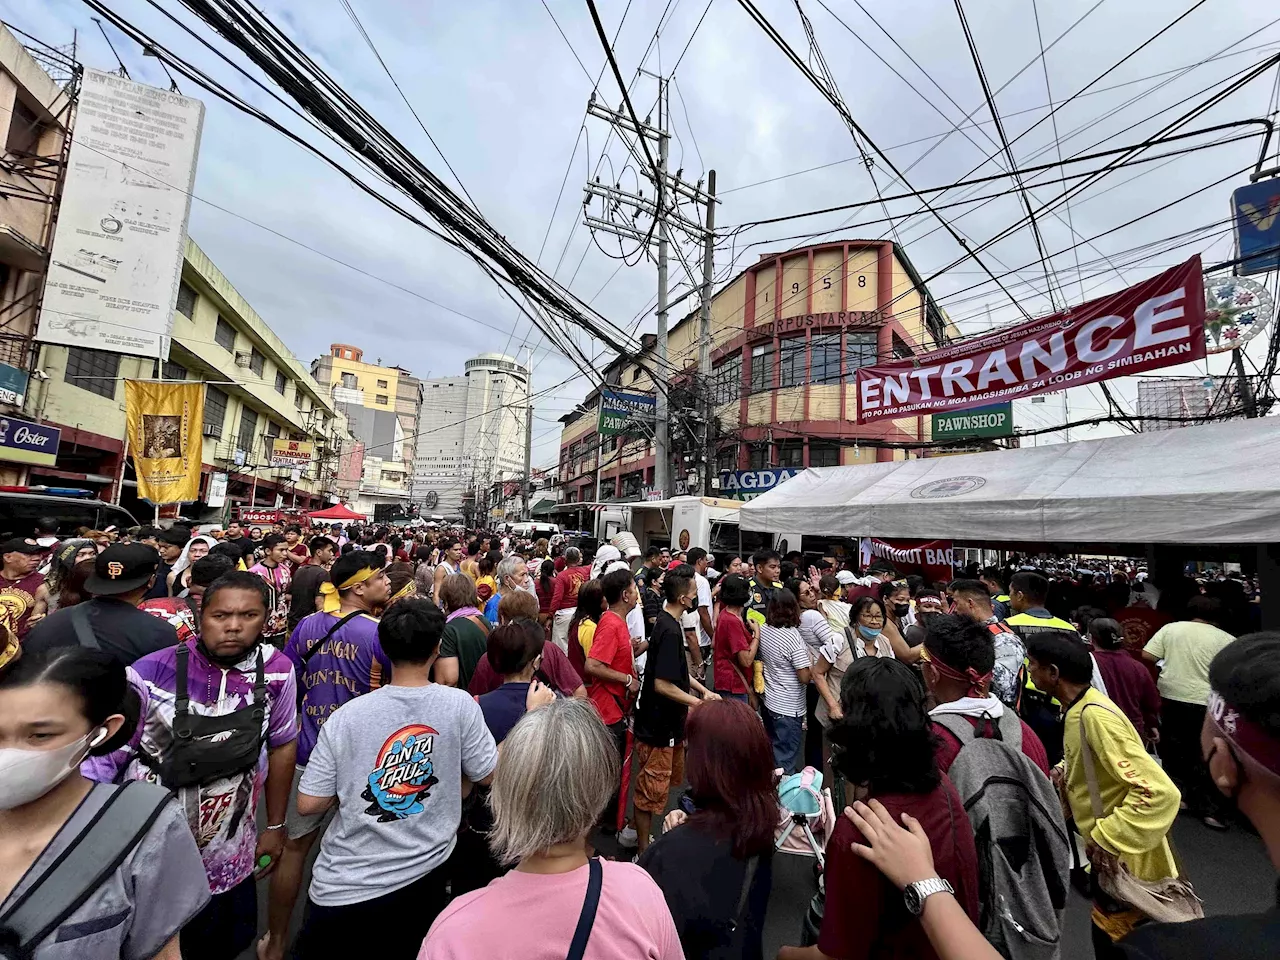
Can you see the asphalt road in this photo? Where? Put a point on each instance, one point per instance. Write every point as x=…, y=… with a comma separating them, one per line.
x=1230, y=872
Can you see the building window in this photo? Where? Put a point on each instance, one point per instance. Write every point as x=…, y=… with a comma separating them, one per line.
x=727, y=380
x=257, y=362
x=215, y=411
x=860, y=350
x=758, y=456
x=381, y=399
x=824, y=358
x=382, y=384
x=270, y=432
x=248, y=427
x=173, y=371
x=790, y=453
x=635, y=374
x=762, y=367
x=727, y=459
x=280, y=382
x=25, y=131
x=93, y=370
x=186, y=300
x=791, y=362
x=824, y=453
x=224, y=335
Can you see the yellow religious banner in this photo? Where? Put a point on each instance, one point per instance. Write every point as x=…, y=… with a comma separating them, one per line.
x=164, y=421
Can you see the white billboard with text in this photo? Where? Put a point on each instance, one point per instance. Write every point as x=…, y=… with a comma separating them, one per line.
x=122, y=223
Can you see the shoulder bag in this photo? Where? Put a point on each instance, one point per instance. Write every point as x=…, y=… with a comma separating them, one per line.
x=1170, y=900
x=587, y=918
x=82, y=868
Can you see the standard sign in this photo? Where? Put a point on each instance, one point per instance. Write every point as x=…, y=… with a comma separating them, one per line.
x=995, y=420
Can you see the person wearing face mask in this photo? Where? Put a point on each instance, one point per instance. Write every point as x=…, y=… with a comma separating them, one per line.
x=58, y=708
x=220, y=729
x=512, y=574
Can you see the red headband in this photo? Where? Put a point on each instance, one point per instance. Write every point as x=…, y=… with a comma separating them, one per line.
x=978, y=682
x=1245, y=735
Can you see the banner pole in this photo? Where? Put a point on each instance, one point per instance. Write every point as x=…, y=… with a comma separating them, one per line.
x=124, y=458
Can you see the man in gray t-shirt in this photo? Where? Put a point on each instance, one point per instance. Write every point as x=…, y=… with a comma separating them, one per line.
x=394, y=760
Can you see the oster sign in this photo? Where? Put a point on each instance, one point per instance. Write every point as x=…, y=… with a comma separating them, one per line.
x=1157, y=323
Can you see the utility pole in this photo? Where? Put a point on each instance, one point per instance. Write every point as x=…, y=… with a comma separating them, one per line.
x=665, y=212
x=704, y=334
x=528, y=461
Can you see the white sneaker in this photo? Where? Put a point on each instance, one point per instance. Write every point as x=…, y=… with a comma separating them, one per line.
x=627, y=837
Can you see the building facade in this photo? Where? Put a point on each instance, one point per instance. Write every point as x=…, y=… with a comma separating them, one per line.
x=381, y=405
x=257, y=391
x=787, y=337
x=471, y=436
x=34, y=113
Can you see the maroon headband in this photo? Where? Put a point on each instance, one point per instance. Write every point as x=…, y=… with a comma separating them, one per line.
x=1245, y=735
x=978, y=682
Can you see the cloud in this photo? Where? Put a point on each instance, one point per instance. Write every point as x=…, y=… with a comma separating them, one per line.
x=504, y=98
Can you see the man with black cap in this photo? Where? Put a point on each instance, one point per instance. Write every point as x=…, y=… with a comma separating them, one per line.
x=24, y=599
x=122, y=576
x=170, y=543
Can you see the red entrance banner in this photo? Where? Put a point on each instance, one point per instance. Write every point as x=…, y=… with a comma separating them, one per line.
x=1156, y=323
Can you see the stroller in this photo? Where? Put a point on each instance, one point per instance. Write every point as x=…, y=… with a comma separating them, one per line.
x=807, y=816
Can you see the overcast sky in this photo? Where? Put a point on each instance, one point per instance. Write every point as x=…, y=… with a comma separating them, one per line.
x=504, y=97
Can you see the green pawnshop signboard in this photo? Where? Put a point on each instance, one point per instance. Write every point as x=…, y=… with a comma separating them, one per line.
x=993, y=420
x=624, y=412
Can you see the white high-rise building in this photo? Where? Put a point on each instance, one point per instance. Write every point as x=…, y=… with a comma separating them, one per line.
x=470, y=432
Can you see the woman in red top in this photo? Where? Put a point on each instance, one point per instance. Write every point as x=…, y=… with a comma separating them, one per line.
x=1129, y=683
x=735, y=645
x=887, y=752
x=583, y=625
x=544, y=586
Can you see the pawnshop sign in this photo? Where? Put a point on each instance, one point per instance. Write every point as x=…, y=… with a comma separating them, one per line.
x=1156, y=323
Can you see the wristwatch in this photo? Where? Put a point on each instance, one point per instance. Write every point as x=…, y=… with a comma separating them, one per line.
x=915, y=894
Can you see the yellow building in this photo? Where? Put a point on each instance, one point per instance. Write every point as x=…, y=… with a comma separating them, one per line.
x=257, y=391
x=787, y=336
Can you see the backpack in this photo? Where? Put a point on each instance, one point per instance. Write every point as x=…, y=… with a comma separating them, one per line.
x=1024, y=852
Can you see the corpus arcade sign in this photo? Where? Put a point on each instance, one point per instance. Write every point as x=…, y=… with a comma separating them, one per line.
x=1156, y=323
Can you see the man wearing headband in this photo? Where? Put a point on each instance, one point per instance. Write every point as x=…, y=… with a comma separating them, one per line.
x=337, y=658
x=1240, y=741
x=958, y=666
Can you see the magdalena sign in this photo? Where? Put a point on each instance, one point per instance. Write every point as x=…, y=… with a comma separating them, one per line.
x=1153, y=324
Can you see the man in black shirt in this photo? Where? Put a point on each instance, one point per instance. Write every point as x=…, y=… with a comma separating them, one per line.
x=122, y=575
x=665, y=699
x=169, y=543
x=306, y=582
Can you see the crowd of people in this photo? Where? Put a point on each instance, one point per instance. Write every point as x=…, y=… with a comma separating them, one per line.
x=461, y=724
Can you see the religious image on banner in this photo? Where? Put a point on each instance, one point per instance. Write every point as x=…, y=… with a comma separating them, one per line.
x=164, y=421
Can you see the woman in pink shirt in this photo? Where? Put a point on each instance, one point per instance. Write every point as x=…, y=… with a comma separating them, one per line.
x=557, y=771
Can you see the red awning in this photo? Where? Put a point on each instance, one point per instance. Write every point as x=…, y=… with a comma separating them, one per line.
x=336, y=512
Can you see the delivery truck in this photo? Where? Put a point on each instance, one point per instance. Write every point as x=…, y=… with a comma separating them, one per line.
x=681, y=523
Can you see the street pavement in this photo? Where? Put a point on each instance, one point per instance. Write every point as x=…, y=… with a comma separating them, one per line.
x=1230, y=872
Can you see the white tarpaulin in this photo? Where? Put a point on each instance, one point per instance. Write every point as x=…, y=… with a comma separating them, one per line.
x=1218, y=483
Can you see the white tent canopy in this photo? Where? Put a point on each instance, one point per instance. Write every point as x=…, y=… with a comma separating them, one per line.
x=1218, y=483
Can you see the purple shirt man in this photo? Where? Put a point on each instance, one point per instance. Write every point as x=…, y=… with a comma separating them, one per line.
x=220, y=813
x=347, y=665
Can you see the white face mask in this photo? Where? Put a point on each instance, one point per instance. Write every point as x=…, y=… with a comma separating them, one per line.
x=27, y=775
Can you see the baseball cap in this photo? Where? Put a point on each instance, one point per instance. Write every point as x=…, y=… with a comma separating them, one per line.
x=120, y=568
x=20, y=545
x=846, y=578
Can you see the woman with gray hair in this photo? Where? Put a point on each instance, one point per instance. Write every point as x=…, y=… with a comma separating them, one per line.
x=558, y=769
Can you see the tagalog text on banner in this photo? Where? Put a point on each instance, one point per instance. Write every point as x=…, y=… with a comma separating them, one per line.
x=1156, y=323
x=164, y=421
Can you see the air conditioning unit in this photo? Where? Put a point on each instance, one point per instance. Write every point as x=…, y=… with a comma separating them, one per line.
x=243, y=359
x=208, y=430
